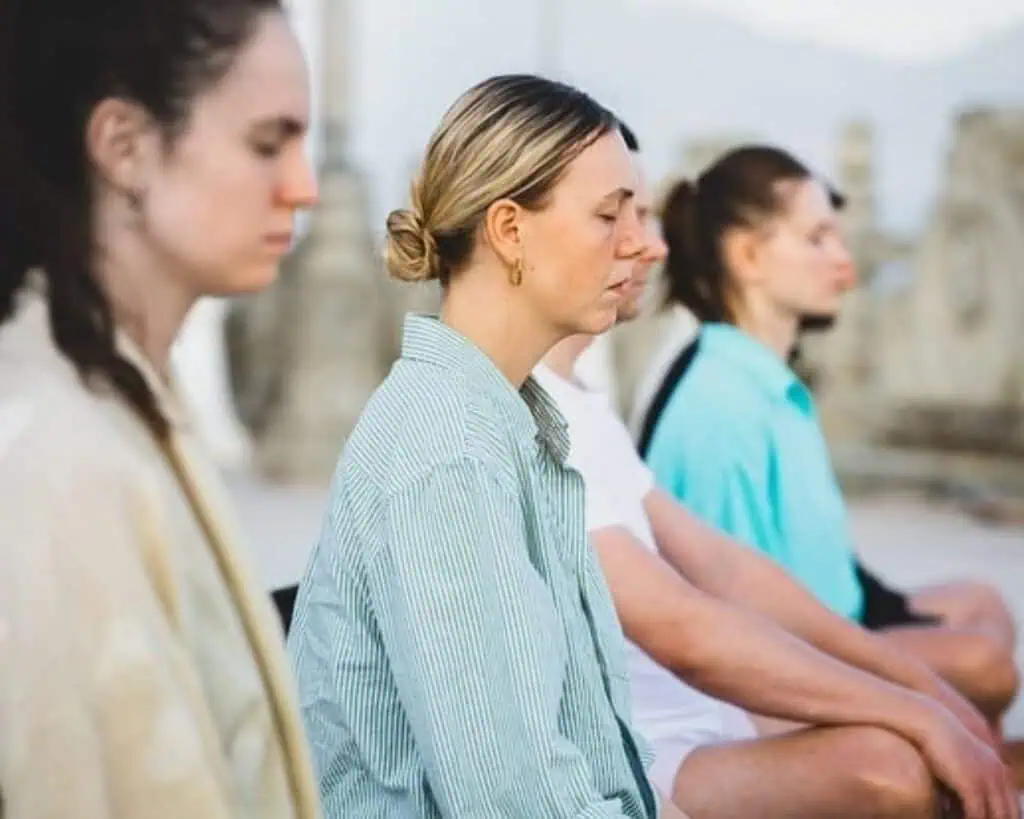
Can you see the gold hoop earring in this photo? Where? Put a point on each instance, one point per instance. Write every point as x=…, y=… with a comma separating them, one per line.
x=516, y=274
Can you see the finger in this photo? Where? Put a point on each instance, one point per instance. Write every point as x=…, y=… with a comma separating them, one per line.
x=998, y=794
x=972, y=799
x=1010, y=793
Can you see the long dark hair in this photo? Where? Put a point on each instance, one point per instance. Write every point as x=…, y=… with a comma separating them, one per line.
x=739, y=190
x=58, y=60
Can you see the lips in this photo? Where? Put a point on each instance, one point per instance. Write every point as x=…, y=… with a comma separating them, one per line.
x=280, y=241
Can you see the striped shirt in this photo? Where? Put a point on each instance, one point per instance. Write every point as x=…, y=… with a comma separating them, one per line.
x=456, y=647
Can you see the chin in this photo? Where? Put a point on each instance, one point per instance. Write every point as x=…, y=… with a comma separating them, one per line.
x=627, y=312
x=599, y=322
x=249, y=279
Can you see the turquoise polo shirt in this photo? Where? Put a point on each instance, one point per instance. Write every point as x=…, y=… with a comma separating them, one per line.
x=739, y=444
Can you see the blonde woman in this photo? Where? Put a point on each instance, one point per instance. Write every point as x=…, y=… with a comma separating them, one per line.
x=456, y=648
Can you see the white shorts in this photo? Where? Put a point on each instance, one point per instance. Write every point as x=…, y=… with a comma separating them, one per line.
x=671, y=744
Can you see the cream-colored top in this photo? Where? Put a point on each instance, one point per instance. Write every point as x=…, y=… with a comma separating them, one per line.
x=142, y=671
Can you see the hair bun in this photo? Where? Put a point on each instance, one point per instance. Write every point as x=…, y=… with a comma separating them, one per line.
x=411, y=253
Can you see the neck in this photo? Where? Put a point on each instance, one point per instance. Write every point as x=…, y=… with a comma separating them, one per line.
x=147, y=304
x=561, y=359
x=507, y=334
x=776, y=330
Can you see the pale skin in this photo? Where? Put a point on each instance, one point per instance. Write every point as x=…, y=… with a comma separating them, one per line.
x=209, y=212
x=581, y=244
x=676, y=607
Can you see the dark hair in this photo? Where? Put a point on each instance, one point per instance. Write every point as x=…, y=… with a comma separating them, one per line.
x=629, y=137
x=58, y=60
x=511, y=136
x=741, y=189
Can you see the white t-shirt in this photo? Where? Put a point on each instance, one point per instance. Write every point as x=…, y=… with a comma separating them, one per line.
x=616, y=481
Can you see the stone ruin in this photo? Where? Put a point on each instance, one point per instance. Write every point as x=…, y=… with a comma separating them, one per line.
x=936, y=365
x=951, y=360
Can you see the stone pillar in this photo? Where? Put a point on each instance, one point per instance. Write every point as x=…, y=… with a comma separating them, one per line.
x=856, y=180
x=324, y=351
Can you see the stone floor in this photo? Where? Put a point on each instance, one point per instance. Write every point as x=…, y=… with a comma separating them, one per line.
x=905, y=540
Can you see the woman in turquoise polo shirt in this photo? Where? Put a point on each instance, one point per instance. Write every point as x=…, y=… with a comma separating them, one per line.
x=755, y=251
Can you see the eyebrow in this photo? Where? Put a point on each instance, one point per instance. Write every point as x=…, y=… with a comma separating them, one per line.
x=620, y=194
x=284, y=126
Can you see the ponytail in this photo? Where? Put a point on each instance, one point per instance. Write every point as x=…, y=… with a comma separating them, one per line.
x=692, y=270
x=739, y=190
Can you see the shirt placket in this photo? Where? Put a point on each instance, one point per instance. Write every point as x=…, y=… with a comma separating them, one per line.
x=570, y=547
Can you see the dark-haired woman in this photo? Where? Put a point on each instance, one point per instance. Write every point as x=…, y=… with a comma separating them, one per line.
x=755, y=252
x=150, y=154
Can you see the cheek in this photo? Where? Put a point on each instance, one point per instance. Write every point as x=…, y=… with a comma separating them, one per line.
x=211, y=213
x=572, y=260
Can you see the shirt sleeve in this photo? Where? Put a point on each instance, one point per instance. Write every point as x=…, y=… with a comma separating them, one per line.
x=101, y=711
x=477, y=650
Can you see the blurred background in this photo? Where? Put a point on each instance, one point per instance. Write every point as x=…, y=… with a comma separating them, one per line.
x=913, y=108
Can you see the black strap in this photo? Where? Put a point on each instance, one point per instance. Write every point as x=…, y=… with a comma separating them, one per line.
x=661, y=397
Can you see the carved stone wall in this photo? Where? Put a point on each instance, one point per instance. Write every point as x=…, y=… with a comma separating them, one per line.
x=953, y=366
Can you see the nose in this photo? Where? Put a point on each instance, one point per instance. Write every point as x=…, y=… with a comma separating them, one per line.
x=632, y=241
x=845, y=268
x=298, y=187
x=655, y=249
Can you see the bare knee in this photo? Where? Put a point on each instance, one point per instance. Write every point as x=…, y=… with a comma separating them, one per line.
x=976, y=605
x=991, y=610
x=889, y=774
x=988, y=671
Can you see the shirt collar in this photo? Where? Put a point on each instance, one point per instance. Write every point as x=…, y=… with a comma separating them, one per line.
x=757, y=361
x=530, y=411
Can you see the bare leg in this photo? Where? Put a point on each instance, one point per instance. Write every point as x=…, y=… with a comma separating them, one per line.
x=968, y=605
x=826, y=773
x=976, y=664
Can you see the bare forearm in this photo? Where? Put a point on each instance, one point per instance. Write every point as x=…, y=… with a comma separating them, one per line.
x=719, y=566
x=758, y=584
x=736, y=654
x=742, y=658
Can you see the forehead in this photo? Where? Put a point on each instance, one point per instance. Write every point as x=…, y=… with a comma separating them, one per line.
x=602, y=168
x=268, y=79
x=644, y=197
x=809, y=203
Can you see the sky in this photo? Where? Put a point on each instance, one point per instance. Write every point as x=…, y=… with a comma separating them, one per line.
x=904, y=30
x=410, y=58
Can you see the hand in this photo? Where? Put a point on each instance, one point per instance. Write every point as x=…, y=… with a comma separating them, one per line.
x=968, y=767
x=965, y=711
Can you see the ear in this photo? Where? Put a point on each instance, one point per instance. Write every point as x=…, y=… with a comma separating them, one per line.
x=120, y=140
x=503, y=230
x=740, y=249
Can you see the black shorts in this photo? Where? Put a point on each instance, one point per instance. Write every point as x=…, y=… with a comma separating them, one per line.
x=884, y=607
